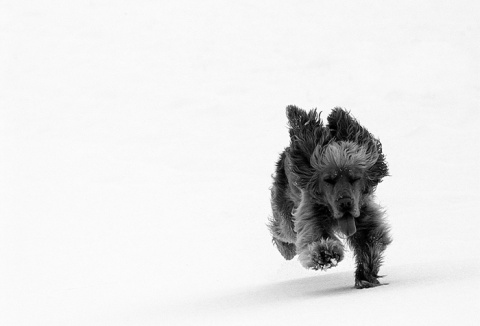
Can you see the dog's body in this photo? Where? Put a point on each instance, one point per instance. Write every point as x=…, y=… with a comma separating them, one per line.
x=323, y=186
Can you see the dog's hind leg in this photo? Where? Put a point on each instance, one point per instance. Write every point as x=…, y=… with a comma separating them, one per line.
x=369, y=242
x=281, y=228
x=281, y=224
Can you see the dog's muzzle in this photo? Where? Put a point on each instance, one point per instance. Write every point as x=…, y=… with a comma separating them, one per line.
x=346, y=222
x=345, y=203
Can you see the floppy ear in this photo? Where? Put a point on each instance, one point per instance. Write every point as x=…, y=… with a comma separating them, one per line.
x=343, y=127
x=306, y=132
x=305, y=127
x=378, y=170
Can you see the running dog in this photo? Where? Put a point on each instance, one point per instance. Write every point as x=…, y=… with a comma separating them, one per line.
x=323, y=189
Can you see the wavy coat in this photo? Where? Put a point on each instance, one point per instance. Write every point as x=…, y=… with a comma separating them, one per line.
x=323, y=189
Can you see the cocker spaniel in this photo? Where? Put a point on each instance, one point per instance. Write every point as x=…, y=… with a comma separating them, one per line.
x=323, y=189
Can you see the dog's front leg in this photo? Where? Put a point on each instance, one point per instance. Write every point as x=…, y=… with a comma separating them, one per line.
x=316, y=245
x=369, y=244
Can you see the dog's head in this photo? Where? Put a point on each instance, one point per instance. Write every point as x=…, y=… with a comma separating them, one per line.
x=339, y=164
x=342, y=174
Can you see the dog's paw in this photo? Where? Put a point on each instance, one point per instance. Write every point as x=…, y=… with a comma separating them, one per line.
x=287, y=250
x=370, y=283
x=322, y=254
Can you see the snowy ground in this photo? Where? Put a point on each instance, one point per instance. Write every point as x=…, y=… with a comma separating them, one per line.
x=138, y=139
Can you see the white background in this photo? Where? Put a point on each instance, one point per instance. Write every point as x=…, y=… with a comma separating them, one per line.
x=138, y=139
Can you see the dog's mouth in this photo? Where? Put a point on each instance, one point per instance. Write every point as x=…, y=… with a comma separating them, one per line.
x=346, y=224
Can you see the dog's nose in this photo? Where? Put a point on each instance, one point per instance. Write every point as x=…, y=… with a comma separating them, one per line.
x=345, y=202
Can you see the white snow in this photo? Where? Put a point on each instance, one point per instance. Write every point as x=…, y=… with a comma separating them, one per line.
x=138, y=139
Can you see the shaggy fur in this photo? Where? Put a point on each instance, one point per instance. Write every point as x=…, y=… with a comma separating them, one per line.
x=323, y=188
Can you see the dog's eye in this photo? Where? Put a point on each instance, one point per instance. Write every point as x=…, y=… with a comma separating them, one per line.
x=353, y=180
x=330, y=181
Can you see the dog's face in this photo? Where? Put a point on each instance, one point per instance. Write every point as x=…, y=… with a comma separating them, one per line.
x=342, y=188
x=341, y=170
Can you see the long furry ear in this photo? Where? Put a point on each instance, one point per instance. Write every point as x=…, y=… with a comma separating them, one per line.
x=343, y=127
x=306, y=132
x=303, y=126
